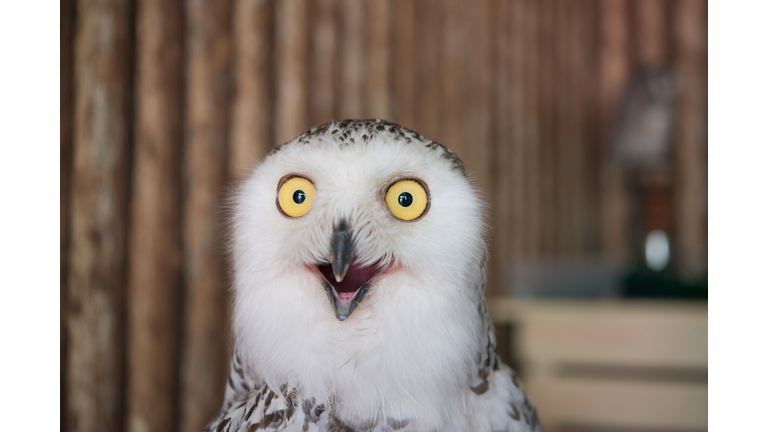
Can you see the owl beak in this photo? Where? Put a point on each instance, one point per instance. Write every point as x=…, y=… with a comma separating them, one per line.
x=342, y=250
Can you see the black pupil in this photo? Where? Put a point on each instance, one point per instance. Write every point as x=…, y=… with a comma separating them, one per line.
x=299, y=196
x=405, y=199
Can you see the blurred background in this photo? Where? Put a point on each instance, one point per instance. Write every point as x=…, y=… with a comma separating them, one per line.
x=584, y=124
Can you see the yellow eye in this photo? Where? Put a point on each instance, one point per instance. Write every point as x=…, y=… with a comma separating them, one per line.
x=407, y=199
x=296, y=196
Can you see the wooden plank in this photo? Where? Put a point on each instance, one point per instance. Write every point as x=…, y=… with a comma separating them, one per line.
x=291, y=48
x=614, y=74
x=619, y=405
x=404, y=61
x=99, y=209
x=609, y=332
x=66, y=111
x=501, y=165
x=207, y=329
x=576, y=52
x=519, y=130
x=352, y=59
x=252, y=114
x=589, y=110
x=532, y=131
x=454, y=34
x=546, y=115
x=477, y=106
x=428, y=99
x=562, y=131
x=323, y=73
x=690, y=139
x=652, y=38
x=377, y=102
x=155, y=273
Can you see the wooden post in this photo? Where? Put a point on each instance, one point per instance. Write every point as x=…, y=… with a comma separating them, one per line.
x=154, y=277
x=690, y=145
x=291, y=48
x=252, y=114
x=66, y=108
x=563, y=130
x=614, y=74
x=532, y=135
x=452, y=78
x=404, y=62
x=652, y=34
x=500, y=21
x=324, y=71
x=99, y=204
x=351, y=59
x=428, y=101
x=377, y=101
x=207, y=330
x=546, y=115
x=519, y=50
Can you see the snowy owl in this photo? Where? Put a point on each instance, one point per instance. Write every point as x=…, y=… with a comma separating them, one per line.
x=359, y=271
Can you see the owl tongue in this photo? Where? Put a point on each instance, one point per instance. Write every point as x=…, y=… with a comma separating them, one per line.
x=356, y=277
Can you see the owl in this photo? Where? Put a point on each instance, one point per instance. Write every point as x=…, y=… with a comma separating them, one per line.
x=359, y=271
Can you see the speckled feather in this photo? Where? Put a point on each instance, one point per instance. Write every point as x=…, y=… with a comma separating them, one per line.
x=419, y=354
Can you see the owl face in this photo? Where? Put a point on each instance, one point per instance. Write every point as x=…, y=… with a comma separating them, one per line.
x=349, y=205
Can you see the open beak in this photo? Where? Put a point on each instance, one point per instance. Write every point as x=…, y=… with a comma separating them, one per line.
x=344, y=280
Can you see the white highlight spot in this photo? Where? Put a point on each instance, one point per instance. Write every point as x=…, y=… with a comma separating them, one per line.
x=657, y=250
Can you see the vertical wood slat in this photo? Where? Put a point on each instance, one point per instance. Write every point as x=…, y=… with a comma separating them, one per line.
x=563, y=133
x=351, y=59
x=532, y=130
x=377, y=89
x=455, y=32
x=519, y=46
x=428, y=102
x=251, y=124
x=291, y=48
x=404, y=62
x=614, y=74
x=588, y=117
x=207, y=330
x=651, y=33
x=477, y=106
x=502, y=193
x=155, y=271
x=323, y=60
x=99, y=204
x=546, y=117
x=66, y=33
x=691, y=138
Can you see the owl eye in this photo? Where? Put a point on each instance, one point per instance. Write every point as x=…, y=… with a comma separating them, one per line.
x=295, y=196
x=407, y=199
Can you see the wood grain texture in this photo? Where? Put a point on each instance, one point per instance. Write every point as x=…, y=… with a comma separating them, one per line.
x=99, y=217
x=155, y=271
x=501, y=139
x=614, y=74
x=429, y=100
x=532, y=135
x=324, y=70
x=252, y=115
x=690, y=139
x=404, y=62
x=66, y=117
x=291, y=62
x=352, y=59
x=377, y=101
x=206, y=324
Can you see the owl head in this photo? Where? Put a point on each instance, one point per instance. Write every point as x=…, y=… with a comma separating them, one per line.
x=354, y=223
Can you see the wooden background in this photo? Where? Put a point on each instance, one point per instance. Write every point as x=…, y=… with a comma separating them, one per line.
x=166, y=103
